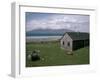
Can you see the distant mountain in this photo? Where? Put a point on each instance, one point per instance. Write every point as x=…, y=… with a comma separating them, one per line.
x=47, y=32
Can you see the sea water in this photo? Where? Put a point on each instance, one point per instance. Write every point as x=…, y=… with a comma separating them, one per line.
x=42, y=38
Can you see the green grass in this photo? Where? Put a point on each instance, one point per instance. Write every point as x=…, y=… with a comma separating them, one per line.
x=51, y=55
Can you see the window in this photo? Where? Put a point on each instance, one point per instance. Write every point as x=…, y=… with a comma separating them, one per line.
x=68, y=43
x=63, y=43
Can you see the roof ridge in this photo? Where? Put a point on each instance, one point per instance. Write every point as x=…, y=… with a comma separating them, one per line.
x=79, y=36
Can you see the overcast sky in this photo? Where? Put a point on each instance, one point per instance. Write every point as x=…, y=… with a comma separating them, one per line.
x=57, y=21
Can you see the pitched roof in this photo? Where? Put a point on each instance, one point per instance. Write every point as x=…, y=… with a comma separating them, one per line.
x=78, y=35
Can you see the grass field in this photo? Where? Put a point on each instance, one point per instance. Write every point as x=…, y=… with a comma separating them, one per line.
x=52, y=55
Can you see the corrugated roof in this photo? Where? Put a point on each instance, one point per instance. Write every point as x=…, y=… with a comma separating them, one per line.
x=78, y=35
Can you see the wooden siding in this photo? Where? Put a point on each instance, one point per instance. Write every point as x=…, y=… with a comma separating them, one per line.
x=80, y=44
